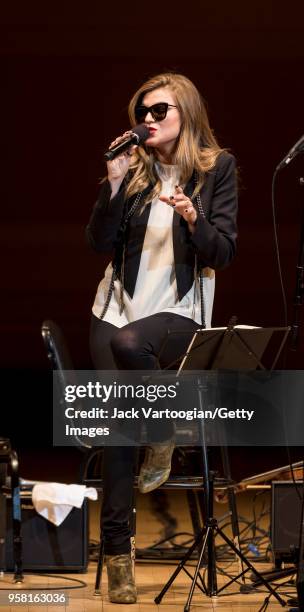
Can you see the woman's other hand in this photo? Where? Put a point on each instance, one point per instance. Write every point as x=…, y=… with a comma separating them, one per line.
x=182, y=205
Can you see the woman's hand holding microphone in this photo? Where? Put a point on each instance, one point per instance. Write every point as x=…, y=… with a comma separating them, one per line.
x=119, y=166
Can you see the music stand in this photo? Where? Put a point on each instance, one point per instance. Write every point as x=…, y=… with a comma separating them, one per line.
x=234, y=348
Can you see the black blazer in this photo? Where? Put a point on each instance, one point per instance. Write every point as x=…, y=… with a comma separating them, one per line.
x=213, y=240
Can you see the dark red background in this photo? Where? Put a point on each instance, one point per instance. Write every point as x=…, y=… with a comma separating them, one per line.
x=68, y=70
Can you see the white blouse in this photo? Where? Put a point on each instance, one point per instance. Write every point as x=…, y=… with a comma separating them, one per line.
x=156, y=289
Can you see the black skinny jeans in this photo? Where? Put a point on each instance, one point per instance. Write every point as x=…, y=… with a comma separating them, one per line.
x=132, y=347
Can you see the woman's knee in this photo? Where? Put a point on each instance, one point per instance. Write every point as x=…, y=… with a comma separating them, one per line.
x=126, y=347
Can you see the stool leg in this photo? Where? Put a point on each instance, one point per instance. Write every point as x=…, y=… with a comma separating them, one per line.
x=97, y=590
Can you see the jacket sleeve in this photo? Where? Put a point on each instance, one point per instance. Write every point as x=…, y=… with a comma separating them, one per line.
x=105, y=220
x=214, y=236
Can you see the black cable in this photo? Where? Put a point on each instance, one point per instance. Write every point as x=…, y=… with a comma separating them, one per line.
x=277, y=247
x=174, y=535
x=267, y=599
x=80, y=584
x=221, y=548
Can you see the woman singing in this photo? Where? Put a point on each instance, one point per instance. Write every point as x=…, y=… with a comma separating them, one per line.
x=168, y=209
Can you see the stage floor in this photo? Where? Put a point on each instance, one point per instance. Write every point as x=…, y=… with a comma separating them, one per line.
x=152, y=575
x=150, y=579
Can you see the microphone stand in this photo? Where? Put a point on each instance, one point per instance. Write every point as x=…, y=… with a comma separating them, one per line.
x=294, y=334
x=298, y=602
x=299, y=290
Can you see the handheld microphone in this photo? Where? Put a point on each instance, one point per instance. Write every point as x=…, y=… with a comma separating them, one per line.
x=297, y=148
x=138, y=135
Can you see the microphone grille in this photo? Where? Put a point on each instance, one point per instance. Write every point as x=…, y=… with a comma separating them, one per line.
x=141, y=131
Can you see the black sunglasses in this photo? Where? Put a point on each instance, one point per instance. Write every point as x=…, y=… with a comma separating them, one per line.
x=158, y=111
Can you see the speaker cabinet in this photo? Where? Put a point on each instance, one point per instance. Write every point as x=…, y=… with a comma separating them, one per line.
x=46, y=547
x=285, y=519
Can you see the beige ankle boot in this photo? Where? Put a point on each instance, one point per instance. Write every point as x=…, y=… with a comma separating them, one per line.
x=156, y=466
x=121, y=585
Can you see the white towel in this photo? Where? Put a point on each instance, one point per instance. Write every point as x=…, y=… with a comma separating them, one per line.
x=54, y=501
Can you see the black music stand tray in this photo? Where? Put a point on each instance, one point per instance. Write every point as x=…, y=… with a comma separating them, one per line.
x=237, y=348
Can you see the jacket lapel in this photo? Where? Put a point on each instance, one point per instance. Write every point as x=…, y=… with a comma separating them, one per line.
x=183, y=259
x=135, y=240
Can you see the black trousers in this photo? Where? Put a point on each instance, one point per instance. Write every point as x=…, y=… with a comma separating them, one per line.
x=135, y=346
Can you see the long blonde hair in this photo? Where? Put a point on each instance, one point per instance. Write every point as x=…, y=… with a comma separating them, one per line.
x=196, y=148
